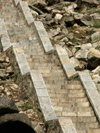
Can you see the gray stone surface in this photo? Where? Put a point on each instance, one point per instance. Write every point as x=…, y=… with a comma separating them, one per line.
x=39, y=84
x=43, y=36
x=7, y=105
x=27, y=13
x=16, y=2
x=42, y=92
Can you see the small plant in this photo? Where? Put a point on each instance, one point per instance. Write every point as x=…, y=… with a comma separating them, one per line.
x=89, y=40
x=96, y=26
x=97, y=11
x=46, y=125
x=98, y=47
x=3, y=91
x=73, y=40
x=26, y=106
x=77, y=49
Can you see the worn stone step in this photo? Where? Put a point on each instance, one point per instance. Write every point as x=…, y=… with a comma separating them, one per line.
x=86, y=125
x=93, y=130
x=83, y=119
x=77, y=86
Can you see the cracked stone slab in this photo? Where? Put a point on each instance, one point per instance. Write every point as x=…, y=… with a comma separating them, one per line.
x=43, y=36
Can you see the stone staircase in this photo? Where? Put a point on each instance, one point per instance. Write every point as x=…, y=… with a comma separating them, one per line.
x=68, y=97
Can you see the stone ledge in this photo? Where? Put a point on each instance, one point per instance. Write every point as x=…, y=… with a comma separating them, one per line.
x=64, y=59
x=91, y=91
x=16, y=2
x=43, y=36
x=4, y=38
x=18, y=60
x=67, y=125
x=26, y=12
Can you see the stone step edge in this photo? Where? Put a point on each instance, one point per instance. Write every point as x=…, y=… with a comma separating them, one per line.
x=65, y=62
x=91, y=91
x=16, y=2
x=23, y=5
x=17, y=57
x=43, y=37
x=4, y=38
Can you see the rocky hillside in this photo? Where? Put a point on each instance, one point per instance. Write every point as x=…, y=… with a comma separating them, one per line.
x=76, y=26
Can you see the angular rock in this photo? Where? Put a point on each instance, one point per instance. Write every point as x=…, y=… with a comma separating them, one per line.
x=86, y=46
x=94, y=58
x=97, y=70
x=95, y=37
x=7, y=105
x=82, y=54
x=75, y=63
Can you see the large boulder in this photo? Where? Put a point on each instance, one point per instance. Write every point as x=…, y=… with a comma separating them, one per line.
x=15, y=123
x=7, y=105
x=93, y=58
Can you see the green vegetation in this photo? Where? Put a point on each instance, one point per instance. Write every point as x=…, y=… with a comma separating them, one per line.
x=97, y=11
x=46, y=125
x=96, y=26
x=25, y=106
x=89, y=40
x=77, y=49
x=73, y=40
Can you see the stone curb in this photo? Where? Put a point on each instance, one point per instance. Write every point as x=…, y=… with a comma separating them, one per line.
x=91, y=91
x=64, y=59
x=43, y=36
x=26, y=12
x=4, y=38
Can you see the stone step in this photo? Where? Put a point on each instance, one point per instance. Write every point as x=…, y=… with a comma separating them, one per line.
x=64, y=101
x=78, y=87
x=93, y=130
x=86, y=125
x=83, y=119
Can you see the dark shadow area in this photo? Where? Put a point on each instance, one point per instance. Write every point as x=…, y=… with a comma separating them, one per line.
x=15, y=127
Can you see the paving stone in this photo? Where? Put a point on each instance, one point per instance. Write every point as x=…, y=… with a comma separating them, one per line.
x=39, y=84
x=89, y=85
x=42, y=92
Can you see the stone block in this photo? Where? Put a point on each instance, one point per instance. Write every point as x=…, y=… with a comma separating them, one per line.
x=39, y=25
x=26, y=11
x=64, y=60
x=85, y=76
x=42, y=92
x=69, y=70
x=36, y=75
x=39, y=84
x=92, y=93
x=24, y=68
x=89, y=85
x=44, y=100
x=61, y=51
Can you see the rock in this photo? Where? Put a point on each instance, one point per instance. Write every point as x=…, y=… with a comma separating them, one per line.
x=48, y=17
x=51, y=2
x=70, y=36
x=82, y=54
x=97, y=70
x=15, y=123
x=58, y=17
x=96, y=78
x=70, y=7
x=76, y=25
x=75, y=63
x=87, y=20
x=38, y=3
x=86, y=46
x=65, y=39
x=7, y=105
x=64, y=30
x=94, y=58
x=78, y=16
x=95, y=37
x=90, y=31
x=39, y=129
x=96, y=45
x=69, y=20
x=34, y=13
x=97, y=2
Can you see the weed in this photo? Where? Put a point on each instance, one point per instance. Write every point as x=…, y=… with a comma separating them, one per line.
x=26, y=106
x=96, y=26
x=77, y=49
x=89, y=40
x=46, y=125
x=73, y=40
x=97, y=11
